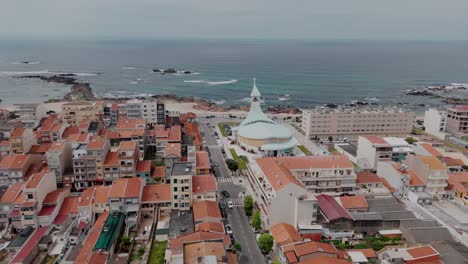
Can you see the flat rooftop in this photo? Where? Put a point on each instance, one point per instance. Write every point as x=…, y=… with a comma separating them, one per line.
x=181, y=223
x=355, y=110
x=186, y=168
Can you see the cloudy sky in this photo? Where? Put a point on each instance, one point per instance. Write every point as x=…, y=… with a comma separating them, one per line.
x=278, y=19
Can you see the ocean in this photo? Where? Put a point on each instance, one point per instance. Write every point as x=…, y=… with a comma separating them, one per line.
x=289, y=73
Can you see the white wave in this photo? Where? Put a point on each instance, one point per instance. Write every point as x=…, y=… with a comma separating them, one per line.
x=139, y=79
x=43, y=72
x=85, y=74
x=375, y=99
x=121, y=92
x=128, y=68
x=246, y=99
x=143, y=95
x=27, y=62
x=283, y=99
x=287, y=95
x=459, y=84
x=219, y=102
x=194, y=81
x=222, y=82
x=134, y=82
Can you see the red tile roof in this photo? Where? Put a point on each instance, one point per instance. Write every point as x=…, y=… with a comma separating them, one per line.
x=204, y=209
x=35, y=180
x=126, y=188
x=130, y=123
x=70, y=130
x=57, y=146
x=368, y=252
x=451, y=162
x=176, y=244
x=422, y=252
x=12, y=193
x=203, y=160
x=86, y=197
x=17, y=132
x=172, y=149
x=285, y=234
x=30, y=244
x=159, y=172
x=13, y=162
x=331, y=208
x=46, y=210
x=367, y=177
x=375, y=140
x=96, y=143
x=99, y=257
x=203, y=183
x=143, y=166
x=69, y=206
x=429, y=148
x=209, y=226
x=458, y=181
x=53, y=196
x=40, y=149
x=85, y=253
x=112, y=159
x=156, y=193
x=311, y=247
x=325, y=260
x=354, y=202
x=128, y=145
x=102, y=194
x=193, y=130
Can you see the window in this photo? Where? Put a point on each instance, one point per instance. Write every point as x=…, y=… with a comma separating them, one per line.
x=30, y=196
x=175, y=189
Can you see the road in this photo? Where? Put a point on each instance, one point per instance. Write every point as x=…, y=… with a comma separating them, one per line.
x=250, y=253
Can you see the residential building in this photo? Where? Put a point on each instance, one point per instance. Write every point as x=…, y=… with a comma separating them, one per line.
x=413, y=255
x=60, y=162
x=434, y=122
x=357, y=203
x=101, y=199
x=76, y=112
x=208, y=252
x=160, y=136
x=431, y=170
x=88, y=162
x=38, y=186
x=352, y=122
x=401, y=178
x=31, y=114
x=181, y=184
x=5, y=148
x=152, y=110
x=51, y=206
x=172, y=155
x=21, y=140
x=204, y=187
x=458, y=182
x=13, y=192
x=156, y=200
x=128, y=156
x=371, y=150
x=203, y=163
x=400, y=148
x=453, y=165
x=51, y=129
x=368, y=180
x=133, y=129
x=125, y=197
x=16, y=168
x=280, y=196
x=302, y=251
x=206, y=211
x=457, y=120
x=334, y=217
x=426, y=149
x=143, y=170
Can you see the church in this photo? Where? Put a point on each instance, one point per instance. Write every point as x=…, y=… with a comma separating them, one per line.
x=261, y=134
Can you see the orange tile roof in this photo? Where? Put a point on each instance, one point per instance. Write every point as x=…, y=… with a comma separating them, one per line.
x=48, y=123
x=376, y=140
x=367, y=177
x=20, y=198
x=354, y=202
x=126, y=188
x=94, y=233
x=156, y=193
x=203, y=183
x=17, y=132
x=79, y=138
x=56, y=128
x=143, y=166
x=451, y=162
x=459, y=181
x=277, y=175
x=130, y=123
x=422, y=252
x=175, y=133
x=388, y=186
x=69, y=205
x=102, y=194
x=54, y=195
x=325, y=260
x=12, y=193
x=70, y=130
x=368, y=252
x=193, y=130
x=204, y=209
x=14, y=162
x=306, y=248
x=209, y=226
x=86, y=197
x=285, y=234
x=96, y=143
x=99, y=257
x=128, y=145
x=432, y=162
x=112, y=159
x=57, y=146
x=35, y=179
x=40, y=149
x=415, y=180
x=203, y=160
x=193, y=252
x=172, y=149
x=429, y=148
x=176, y=244
x=159, y=172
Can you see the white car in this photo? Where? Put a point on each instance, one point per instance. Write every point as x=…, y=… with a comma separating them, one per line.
x=228, y=229
x=230, y=205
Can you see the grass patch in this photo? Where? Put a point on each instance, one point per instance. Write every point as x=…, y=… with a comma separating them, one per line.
x=157, y=252
x=241, y=160
x=304, y=150
x=221, y=127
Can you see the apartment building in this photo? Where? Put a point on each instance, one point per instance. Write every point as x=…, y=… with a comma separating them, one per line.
x=122, y=162
x=401, y=178
x=371, y=150
x=132, y=129
x=16, y=168
x=110, y=114
x=51, y=129
x=101, y=199
x=457, y=121
x=431, y=170
x=6, y=202
x=282, y=198
x=203, y=163
x=34, y=192
x=31, y=114
x=434, y=122
x=143, y=170
x=204, y=187
x=60, y=162
x=160, y=136
x=125, y=197
x=351, y=122
x=152, y=110
x=88, y=163
x=21, y=140
x=75, y=112
x=181, y=184
x=156, y=200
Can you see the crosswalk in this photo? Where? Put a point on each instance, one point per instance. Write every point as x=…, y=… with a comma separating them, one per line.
x=235, y=201
x=227, y=179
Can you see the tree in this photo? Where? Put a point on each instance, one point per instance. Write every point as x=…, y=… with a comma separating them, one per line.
x=265, y=243
x=330, y=138
x=248, y=205
x=125, y=243
x=237, y=246
x=232, y=165
x=411, y=140
x=256, y=221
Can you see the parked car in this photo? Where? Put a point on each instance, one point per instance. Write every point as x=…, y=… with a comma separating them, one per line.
x=225, y=194
x=228, y=229
x=230, y=205
x=216, y=164
x=255, y=230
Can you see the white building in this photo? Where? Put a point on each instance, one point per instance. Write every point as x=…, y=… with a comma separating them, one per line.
x=434, y=122
x=151, y=110
x=371, y=150
x=400, y=148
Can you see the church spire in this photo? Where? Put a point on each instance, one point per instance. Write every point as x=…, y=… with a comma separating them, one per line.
x=255, y=91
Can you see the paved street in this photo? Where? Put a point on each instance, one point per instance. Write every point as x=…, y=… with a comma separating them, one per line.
x=243, y=233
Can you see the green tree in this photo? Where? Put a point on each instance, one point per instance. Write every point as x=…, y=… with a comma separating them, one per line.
x=232, y=165
x=248, y=205
x=125, y=243
x=265, y=243
x=237, y=246
x=256, y=221
x=411, y=140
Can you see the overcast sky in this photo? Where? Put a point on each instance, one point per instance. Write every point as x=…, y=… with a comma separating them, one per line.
x=278, y=19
